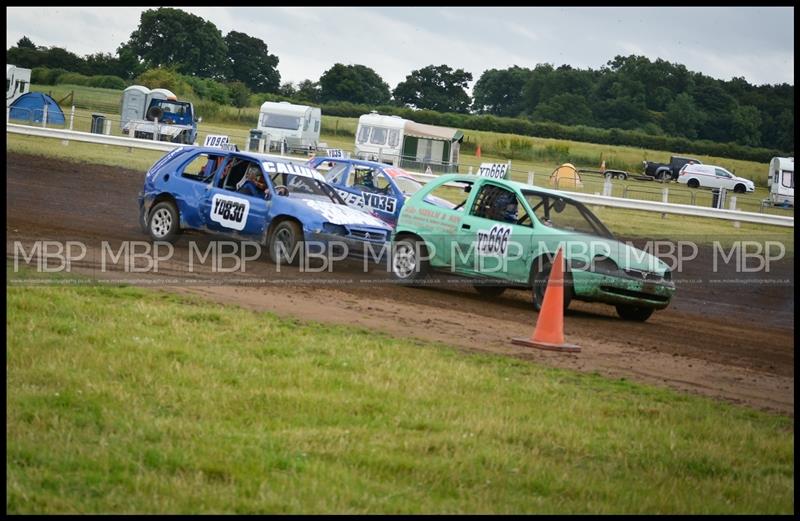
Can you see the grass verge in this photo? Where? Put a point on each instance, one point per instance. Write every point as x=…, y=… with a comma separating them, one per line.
x=125, y=400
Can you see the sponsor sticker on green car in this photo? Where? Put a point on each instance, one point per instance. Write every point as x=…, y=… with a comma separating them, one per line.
x=503, y=234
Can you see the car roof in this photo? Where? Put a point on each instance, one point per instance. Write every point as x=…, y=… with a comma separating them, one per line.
x=357, y=162
x=508, y=182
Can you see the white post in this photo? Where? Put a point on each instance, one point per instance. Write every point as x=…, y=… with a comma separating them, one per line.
x=44, y=116
x=530, y=177
x=380, y=154
x=107, y=129
x=470, y=170
x=732, y=206
x=665, y=199
x=607, y=186
x=155, y=129
x=8, y=114
x=72, y=118
x=283, y=146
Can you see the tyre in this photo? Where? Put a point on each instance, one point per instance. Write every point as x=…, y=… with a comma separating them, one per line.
x=286, y=244
x=489, y=291
x=539, y=280
x=693, y=183
x=623, y=176
x=409, y=261
x=739, y=189
x=633, y=313
x=163, y=223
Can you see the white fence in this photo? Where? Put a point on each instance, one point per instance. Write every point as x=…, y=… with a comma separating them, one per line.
x=599, y=200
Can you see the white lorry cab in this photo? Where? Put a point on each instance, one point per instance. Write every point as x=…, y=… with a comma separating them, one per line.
x=781, y=181
x=18, y=82
x=404, y=143
x=296, y=126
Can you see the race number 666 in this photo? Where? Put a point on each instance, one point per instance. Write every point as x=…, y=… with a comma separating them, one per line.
x=493, y=170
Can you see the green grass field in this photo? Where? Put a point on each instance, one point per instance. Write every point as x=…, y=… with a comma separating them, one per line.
x=123, y=400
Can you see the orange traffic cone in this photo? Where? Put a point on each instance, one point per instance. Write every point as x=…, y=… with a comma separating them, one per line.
x=549, y=332
x=478, y=151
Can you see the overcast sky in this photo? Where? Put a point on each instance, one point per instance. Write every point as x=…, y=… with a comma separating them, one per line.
x=754, y=42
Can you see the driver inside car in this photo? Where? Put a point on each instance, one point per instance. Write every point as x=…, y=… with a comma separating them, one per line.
x=504, y=207
x=253, y=182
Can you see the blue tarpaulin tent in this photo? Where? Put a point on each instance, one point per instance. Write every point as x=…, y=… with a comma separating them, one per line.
x=30, y=107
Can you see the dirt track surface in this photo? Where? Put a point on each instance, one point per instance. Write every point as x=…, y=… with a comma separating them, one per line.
x=732, y=342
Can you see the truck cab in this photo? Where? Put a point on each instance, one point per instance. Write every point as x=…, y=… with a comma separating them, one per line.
x=18, y=82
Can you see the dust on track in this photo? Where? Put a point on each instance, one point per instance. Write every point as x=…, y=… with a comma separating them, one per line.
x=731, y=342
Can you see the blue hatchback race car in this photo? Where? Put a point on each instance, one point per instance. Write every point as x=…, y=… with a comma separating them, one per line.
x=372, y=187
x=274, y=201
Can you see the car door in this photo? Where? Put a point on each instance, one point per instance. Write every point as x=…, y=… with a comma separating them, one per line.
x=491, y=240
x=226, y=210
x=724, y=178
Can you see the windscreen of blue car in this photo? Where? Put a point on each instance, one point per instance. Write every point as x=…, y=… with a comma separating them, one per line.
x=306, y=187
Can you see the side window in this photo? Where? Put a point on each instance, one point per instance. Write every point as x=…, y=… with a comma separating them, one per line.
x=450, y=197
x=378, y=136
x=363, y=134
x=497, y=203
x=316, y=125
x=202, y=168
x=394, y=138
x=722, y=173
x=305, y=125
x=382, y=183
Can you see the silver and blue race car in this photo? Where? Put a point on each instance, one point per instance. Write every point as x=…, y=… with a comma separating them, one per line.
x=369, y=186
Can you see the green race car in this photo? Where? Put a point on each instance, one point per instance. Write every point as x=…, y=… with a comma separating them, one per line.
x=505, y=234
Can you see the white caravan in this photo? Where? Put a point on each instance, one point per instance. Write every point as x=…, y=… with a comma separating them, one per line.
x=297, y=126
x=18, y=82
x=404, y=143
x=781, y=181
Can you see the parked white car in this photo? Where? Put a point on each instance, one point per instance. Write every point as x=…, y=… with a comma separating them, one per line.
x=710, y=176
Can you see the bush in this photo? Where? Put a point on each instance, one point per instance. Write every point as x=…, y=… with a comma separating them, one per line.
x=46, y=76
x=73, y=78
x=165, y=79
x=106, y=82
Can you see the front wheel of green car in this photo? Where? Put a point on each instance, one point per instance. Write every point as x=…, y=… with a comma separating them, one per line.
x=634, y=313
x=539, y=279
x=409, y=261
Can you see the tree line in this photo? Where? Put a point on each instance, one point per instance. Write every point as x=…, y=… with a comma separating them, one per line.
x=629, y=93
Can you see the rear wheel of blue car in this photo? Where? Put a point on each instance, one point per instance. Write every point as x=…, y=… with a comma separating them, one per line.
x=539, y=279
x=634, y=313
x=163, y=223
x=409, y=261
x=286, y=243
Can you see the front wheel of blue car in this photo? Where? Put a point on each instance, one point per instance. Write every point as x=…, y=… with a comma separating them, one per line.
x=634, y=313
x=286, y=243
x=163, y=223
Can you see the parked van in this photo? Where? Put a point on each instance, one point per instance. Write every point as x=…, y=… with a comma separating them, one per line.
x=406, y=144
x=781, y=181
x=710, y=176
x=296, y=126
